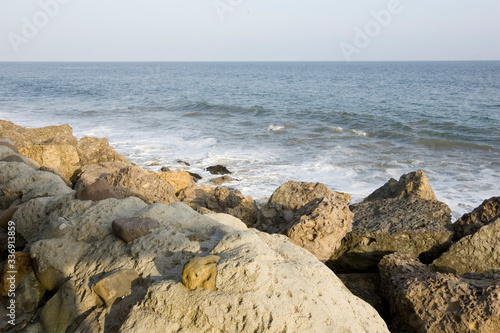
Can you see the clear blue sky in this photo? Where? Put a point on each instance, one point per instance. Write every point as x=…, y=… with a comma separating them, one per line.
x=249, y=30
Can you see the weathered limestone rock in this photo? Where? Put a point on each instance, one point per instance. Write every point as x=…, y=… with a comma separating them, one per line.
x=17, y=158
x=6, y=151
x=9, y=144
x=469, y=223
x=128, y=180
x=58, y=173
x=425, y=301
x=8, y=214
x=98, y=190
x=115, y=285
x=130, y=228
x=10, y=170
x=180, y=180
x=221, y=200
x=476, y=253
x=414, y=184
x=201, y=272
x=228, y=220
x=61, y=157
x=16, y=266
x=97, y=150
x=29, y=293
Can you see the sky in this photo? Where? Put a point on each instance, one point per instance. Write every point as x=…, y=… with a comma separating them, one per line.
x=249, y=30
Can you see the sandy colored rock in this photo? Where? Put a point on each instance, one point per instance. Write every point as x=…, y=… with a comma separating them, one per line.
x=97, y=150
x=61, y=157
x=179, y=179
x=128, y=180
x=471, y=222
x=222, y=180
x=18, y=264
x=98, y=190
x=201, y=273
x=58, y=173
x=116, y=285
x=425, y=301
x=9, y=171
x=221, y=200
x=414, y=184
x=476, y=253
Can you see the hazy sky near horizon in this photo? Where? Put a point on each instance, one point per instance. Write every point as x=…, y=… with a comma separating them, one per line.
x=249, y=30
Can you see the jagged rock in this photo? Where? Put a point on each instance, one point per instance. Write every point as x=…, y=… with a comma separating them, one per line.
x=201, y=272
x=417, y=227
x=98, y=190
x=128, y=180
x=218, y=170
x=367, y=287
x=61, y=157
x=476, y=253
x=414, y=184
x=97, y=150
x=425, y=301
x=222, y=180
x=130, y=228
x=18, y=264
x=469, y=223
x=115, y=285
x=180, y=180
x=221, y=200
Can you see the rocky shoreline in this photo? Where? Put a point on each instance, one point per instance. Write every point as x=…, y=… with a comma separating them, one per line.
x=100, y=244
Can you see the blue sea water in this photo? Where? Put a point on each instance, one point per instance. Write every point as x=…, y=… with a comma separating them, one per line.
x=351, y=126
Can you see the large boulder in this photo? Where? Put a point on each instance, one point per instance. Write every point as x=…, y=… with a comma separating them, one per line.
x=476, y=253
x=425, y=301
x=128, y=180
x=179, y=179
x=221, y=200
x=61, y=157
x=97, y=150
x=402, y=220
x=471, y=222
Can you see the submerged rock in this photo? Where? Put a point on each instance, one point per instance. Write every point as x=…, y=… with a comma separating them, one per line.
x=425, y=301
x=218, y=170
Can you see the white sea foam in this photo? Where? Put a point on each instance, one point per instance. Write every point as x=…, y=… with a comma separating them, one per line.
x=275, y=128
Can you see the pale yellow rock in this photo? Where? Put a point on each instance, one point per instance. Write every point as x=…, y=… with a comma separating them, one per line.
x=61, y=157
x=178, y=179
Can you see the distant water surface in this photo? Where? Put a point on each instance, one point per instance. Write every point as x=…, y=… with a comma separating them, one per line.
x=351, y=126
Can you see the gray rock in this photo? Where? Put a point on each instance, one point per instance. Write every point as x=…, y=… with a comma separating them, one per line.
x=218, y=170
x=131, y=228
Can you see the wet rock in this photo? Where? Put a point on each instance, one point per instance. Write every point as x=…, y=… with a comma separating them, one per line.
x=164, y=169
x=476, y=253
x=201, y=273
x=115, y=285
x=195, y=176
x=221, y=200
x=128, y=180
x=98, y=190
x=183, y=163
x=425, y=301
x=180, y=180
x=414, y=184
x=469, y=223
x=131, y=228
x=218, y=170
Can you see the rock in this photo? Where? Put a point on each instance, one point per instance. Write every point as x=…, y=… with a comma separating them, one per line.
x=469, y=223
x=413, y=226
x=183, y=163
x=201, y=272
x=414, y=184
x=425, y=301
x=218, y=170
x=222, y=180
x=477, y=253
x=19, y=242
x=58, y=173
x=221, y=200
x=98, y=190
x=9, y=144
x=115, y=285
x=61, y=157
x=195, y=176
x=9, y=171
x=367, y=287
x=228, y=220
x=97, y=150
x=165, y=169
x=18, y=264
x=8, y=214
x=320, y=225
x=130, y=228
x=180, y=180
x=128, y=180
x=21, y=159
x=29, y=293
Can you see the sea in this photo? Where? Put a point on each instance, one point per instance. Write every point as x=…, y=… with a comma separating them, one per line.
x=349, y=125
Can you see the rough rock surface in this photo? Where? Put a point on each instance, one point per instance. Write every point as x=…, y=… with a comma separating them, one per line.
x=97, y=150
x=61, y=157
x=21, y=265
x=425, y=301
x=201, y=273
x=477, y=253
x=221, y=200
x=264, y=282
x=179, y=179
x=222, y=180
x=130, y=228
x=116, y=285
x=410, y=224
x=98, y=190
x=469, y=223
x=9, y=144
x=128, y=180
x=414, y=184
